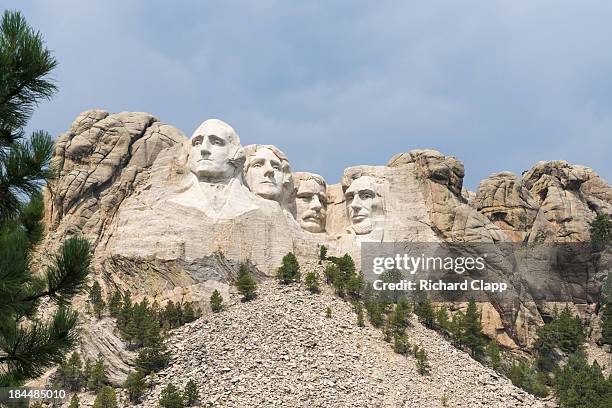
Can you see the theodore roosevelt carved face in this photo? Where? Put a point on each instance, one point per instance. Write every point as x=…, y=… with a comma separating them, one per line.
x=215, y=154
x=364, y=204
x=267, y=171
x=311, y=201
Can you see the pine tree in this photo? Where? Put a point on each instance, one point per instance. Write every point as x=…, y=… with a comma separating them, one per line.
x=153, y=358
x=375, y=312
x=528, y=378
x=74, y=401
x=401, y=344
x=493, y=354
x=421, y=360
x=95, y=298
x=398, y=319
x=170, y=397
x=330, y=273
x=289, y=270
x=70, y=374
x=171, y=315
x=425, y=311
x=328, y=312
x=564, y=332
x=456, y=326
x=471, y=330
x=190, y=393
x=322, y=253
x=114, y=304
x=98, y=375
x=354, y=286
x=135, y=385
x=579, y=385
x=126, y=311
x=87, y=368
x=152, y=333
x=606, y=324
x=28, y=347
x=189, y=313
x=601, y=231
x=106, y=398
x=312, y=281
x=443, y=319
x=360, y=317
x=246, y=284
x=216, y=301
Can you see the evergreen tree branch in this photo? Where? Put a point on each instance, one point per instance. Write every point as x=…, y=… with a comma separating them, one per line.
x=30, y=349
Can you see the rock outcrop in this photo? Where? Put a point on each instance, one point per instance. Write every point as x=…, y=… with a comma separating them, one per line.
x=171, y=217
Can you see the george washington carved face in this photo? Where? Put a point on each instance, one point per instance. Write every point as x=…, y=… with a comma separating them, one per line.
x=215, y=154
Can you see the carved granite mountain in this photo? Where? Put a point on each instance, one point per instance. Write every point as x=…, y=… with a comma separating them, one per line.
x=171, y=217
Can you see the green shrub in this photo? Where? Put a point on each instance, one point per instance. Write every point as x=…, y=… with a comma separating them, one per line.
x=401, y=344
x=216, y=301
x=290, y=269
x=170, y=397
x=312, y=281
x=422, y=363
x=528, y=378
x=246, y=284
x=190, y=393
x=579, y=384
x=563, y=332
x=135, y=385
x=493, y=354
x=106, y=398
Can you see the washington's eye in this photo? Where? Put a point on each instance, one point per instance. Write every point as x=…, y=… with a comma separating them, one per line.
x=216, y=141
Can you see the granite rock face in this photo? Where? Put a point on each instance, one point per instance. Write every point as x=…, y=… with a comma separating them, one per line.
x=505, y=200
x=171, y=217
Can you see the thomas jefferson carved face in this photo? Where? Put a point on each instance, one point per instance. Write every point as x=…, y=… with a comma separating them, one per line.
x=265, y=174
x=311, y=203
x=215, y=153
x=364, y=204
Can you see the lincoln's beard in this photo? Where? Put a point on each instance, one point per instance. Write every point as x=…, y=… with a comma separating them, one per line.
x=363, y=227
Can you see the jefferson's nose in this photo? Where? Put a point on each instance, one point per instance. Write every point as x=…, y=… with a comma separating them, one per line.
x=268, y=170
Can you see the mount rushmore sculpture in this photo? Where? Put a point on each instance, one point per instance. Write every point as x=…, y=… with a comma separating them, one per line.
x=169, y=215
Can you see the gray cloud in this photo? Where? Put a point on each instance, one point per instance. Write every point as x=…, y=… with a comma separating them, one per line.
x=500, y=85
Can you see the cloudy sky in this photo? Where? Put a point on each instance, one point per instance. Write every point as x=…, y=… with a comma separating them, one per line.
x=499, y=84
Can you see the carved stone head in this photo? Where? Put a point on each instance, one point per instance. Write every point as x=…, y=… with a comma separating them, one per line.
x=364, y=204
x=310, y=201
x=215, y=154
x=267, y=172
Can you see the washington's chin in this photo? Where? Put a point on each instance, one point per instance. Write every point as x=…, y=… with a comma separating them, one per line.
x=205, y=173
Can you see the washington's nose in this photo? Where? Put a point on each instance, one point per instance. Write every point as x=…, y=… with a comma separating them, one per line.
x=205, y=149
